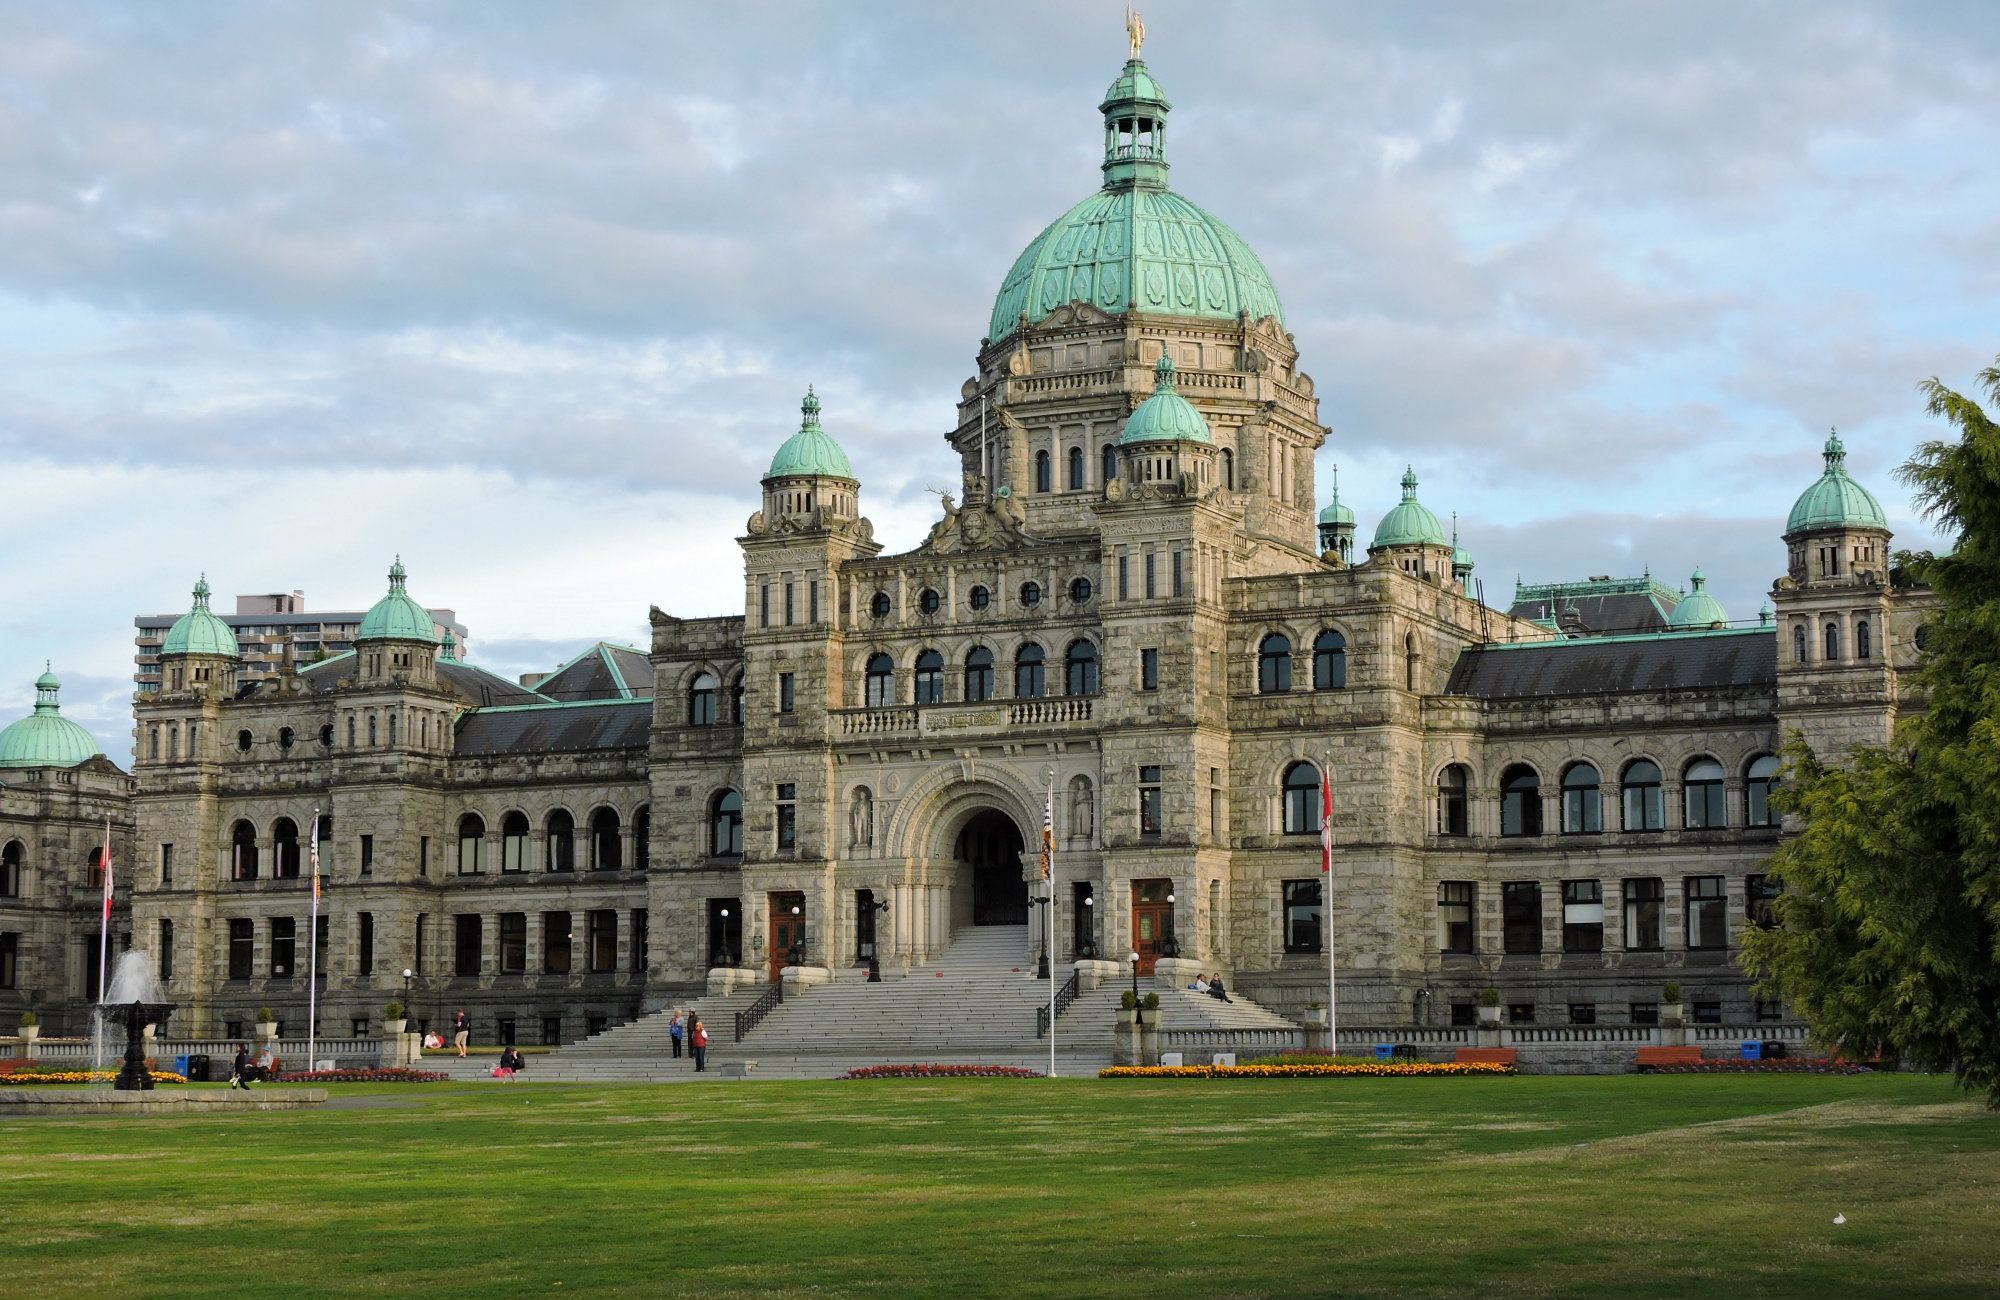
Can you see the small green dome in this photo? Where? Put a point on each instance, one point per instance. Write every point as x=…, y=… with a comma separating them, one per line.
x=810, y=451
x=1836, y=501
x=45, y=738
x=1698, y=608
x=199, y=632
x=1410, y=523
x=1166, y=416
x=1336, y=513
x=396, y=617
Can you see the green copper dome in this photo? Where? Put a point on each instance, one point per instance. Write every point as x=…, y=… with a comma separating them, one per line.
x=396, y=617
x=1698, y=608
x=1135, y=245
x=1336, y=513
x=1411, y=523
x=810, y=451
x=199, y=632
x=1166, y=416
x=1836, y=501
x=45, y=738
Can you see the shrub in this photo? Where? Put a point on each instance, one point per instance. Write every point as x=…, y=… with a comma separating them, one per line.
x=1356, y=1069
x=29, y=1020
x=394, y=1011
x=264, y=1016
x=49, y=1075
x=1152, y=1002
x=364, y=1075
x=941, y=1072
x=1128, y=1000
x=1670, y=994
x=1489, y=997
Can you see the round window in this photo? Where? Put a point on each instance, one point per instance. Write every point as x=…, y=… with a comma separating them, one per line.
x=1031, y=594
x=284, y=737
x=1079, y=590
x=1923, y=636
x=879, y=606
x=979, y=598
x=326, y=735
x=929, y=601
x=243, y=741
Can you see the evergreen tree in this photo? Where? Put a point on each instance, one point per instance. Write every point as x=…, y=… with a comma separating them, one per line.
x=1889, y=926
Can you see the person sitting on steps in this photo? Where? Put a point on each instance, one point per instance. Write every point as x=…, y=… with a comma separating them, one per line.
x=1215, y=989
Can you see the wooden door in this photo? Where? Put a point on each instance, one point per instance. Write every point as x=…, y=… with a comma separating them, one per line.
x=787, y=932
x=1150, y=920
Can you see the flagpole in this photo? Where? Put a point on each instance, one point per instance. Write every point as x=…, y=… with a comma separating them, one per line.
x=1049, y=880
x=1326, y=907
x=103, y=946
x=312, y=951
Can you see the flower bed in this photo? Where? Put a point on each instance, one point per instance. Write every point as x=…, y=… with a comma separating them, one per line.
x=397, y=1075
x=1359, y=1069
x=1783, y=1065
x=31, y=1078
x=942, y=1072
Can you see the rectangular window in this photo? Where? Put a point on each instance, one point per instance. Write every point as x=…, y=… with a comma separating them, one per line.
x=788, y=817
x=1463, y=1014
x=423, y=855
x=641, y=944
x=166, y=866
x=166, y=951
x=284, y=946
x=1768, y=1011
x=1215, y=803
x=417, y=956
x=1152, y=588
x=1177, y=573
x=1583, y=916
x=1521, y=917
x=1124, y=577
x=1708, y=1013
x=603, y=941
x=1455, y=932
x=764, y=605
x=1302, y=916
x=513, y=943
x=1149, y=802
x=788, y=604
x=1707, y=913
x=551, y=1031
x=1520, y=1013
x=1644, y=904
x=1583, y=1013
x=1149, y=670
x=10, y=960
x=367, y=855
x=357, y=1027
x=555, y=943
x=366, y=944
x=1645, y=1013
x=469, y=933
x=785, y=698
x=812, y=601
x=1761, y=901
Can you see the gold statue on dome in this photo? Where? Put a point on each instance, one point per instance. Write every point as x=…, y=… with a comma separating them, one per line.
x=1135, y=31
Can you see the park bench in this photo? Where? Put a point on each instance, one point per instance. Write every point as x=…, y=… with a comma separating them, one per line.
x=1652, y=1057
x=1484, y=1056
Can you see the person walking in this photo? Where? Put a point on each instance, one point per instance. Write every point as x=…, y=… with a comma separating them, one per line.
x=698, y=1041
x=461, y=1031
x=239, y=1069
x=675, y=1030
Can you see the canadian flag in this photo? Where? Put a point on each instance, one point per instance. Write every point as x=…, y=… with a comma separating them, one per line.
x=106, y=859
x=1325, y=821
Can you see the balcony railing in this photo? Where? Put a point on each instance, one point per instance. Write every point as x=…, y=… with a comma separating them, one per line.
x=977, y=715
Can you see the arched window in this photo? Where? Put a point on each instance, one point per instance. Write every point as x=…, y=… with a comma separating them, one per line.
x=701, y=700
x=1075, y=469
x=471, y=844
x=1645, y=807
x=736, y=700
x=1302, y=799
x=372, y=742
x=881, y=681
x=1410, y=657
x=560, y=833
x=1229, y=469
x=153, y=741
x=726, y=825
x=1110, y=461
x=1759, y=782
x=1029, y=683
x=1832, y=642
x=604, y=846
x=285, y=848
x=1274, y=664
x=1583, y=804
x=642, y=839
x=514, y=842
x=1329, y=661
x=930, y=677
x=1799, y=644
x=979, y=673
x=94, y=868
x=1080, y=669
x=1704, y=798
x=1520, y=801
x=392, y=731
x=243, y=852
x=10, y=869
x=1453, y=816
x=1863, y=645
x=1043, y=478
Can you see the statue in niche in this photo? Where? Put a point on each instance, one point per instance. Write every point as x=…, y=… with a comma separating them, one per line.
x=861, y=819
x=1082, y=808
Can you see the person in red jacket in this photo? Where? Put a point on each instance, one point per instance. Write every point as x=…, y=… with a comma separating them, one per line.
x=698, y=1041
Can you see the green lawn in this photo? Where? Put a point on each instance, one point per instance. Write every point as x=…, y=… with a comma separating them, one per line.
x=1516, y=1186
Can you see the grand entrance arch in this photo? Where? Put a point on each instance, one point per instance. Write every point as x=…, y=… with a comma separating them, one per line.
x=990, y=845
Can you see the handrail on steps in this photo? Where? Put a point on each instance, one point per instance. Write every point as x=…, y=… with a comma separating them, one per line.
x=747, y=1019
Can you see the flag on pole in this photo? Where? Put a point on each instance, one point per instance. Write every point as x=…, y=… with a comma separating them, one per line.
x=105, y=858
x=1325, y=821
x=1048, y=830
x=312, y=853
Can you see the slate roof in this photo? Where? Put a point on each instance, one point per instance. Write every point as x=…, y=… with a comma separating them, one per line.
x=475, y=686
x=604, y=672
x=1707, y=660
x=555, y=728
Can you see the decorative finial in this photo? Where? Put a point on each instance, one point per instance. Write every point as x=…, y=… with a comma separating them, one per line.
x=1336, y=483
x=450, y=652
x=397, y=573
x=1698, y=579
x=1163, y=374
x=1409, y=483
x=201, y=592
x=1836, y=450
x=809, y=410
x=1454, y=530
x=1135, y=33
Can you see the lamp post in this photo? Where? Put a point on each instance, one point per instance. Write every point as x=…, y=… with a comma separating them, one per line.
x=1169, y=945
x=1041, y=962
x=1138, y=1011
x=720, y=957
x=797, y=955
x=1089, y=927
x=877, y=906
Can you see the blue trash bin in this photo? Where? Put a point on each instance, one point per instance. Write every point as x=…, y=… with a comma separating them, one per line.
x=181, y=1066
x=1753, y=1051
x=1385, y=1051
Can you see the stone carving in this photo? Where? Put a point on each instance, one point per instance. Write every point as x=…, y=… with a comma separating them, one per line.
x=755, y=526
x=977, y=526
x=861, y=819
x=1082, y=808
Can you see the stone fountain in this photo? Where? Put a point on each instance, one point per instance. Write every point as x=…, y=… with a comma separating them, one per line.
x=134, y=1001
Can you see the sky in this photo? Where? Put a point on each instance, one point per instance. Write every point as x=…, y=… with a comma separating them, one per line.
x=529, y=293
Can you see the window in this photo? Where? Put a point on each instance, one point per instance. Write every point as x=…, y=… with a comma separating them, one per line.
x=1520, y=1013
x=417, y=955
x=812, y=601
x=471, y=844
x=1521, y=917
x=514, y=842
x=788, y=816
x=1520, y=802
x=284, y=946
x=371, y=731
x=243, y=739
x=786, y=698
x=1583, y=916
x=1452, y=810
x=1149, y=670
x=1455, y=932
x=1079, y=591
x=1704, y=798
x=1707, y=913
x=1075, y=469
x=1863, y=645
x=1228, y=469
x=1767, y=1011
x=1302, y=916
x=1215, y=813
x=1029, y=681
x=1832, y=642
x=1177, y=574
x=881, y=681
x=1644, y=901
x=364, y=943
x=166, y=870
x=979, y=674
x=513, y=943
x=701, y=699
x=1645, y=806
x=286, y=735
x=603, y=934
x=726, y=825
x=1645, y=1013
x=1582, y=804
x=166, y=950
x=285, y=848
x=1463, y=1014
x=764, y=605
x=10, y=960
x=791, y=602
x=326, y=736
x=642, y=839
x=1080, y=669
x=555, y=943
x=878, y=605
x=1149, y=802
x=10, y=868
x=929, y=601
x=1031, y=594
x=1274, y=664
x=1760, y=901
x=1799, y=644
x=367, y=855
x=1110, y=461
x=551, y=1031
x=1302, y=799
x=1152, y=587
x=1583, y=1013
x=1708, y=1013
x=605, y=846
x=242, y=947
x=978, y=598
x=423, y=855
x=930, y=678
x=1759, y=782
x=467, y=936
x=1124, y=577
x=560, y=833
x=1329, y=661
x=1043, y=477
x=736, y=700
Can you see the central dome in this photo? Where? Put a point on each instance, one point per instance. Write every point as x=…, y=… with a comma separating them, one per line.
x=1135, y=245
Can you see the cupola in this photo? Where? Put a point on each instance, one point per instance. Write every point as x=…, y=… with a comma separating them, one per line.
x=1165, y=437
x=1336, y=526
x=45, y=738
x=199, y=650
x=1697, y=609
x=810, y=478
x=1411, y=537
x=1837, y=531
x=1461, y=560
x=398, y=637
